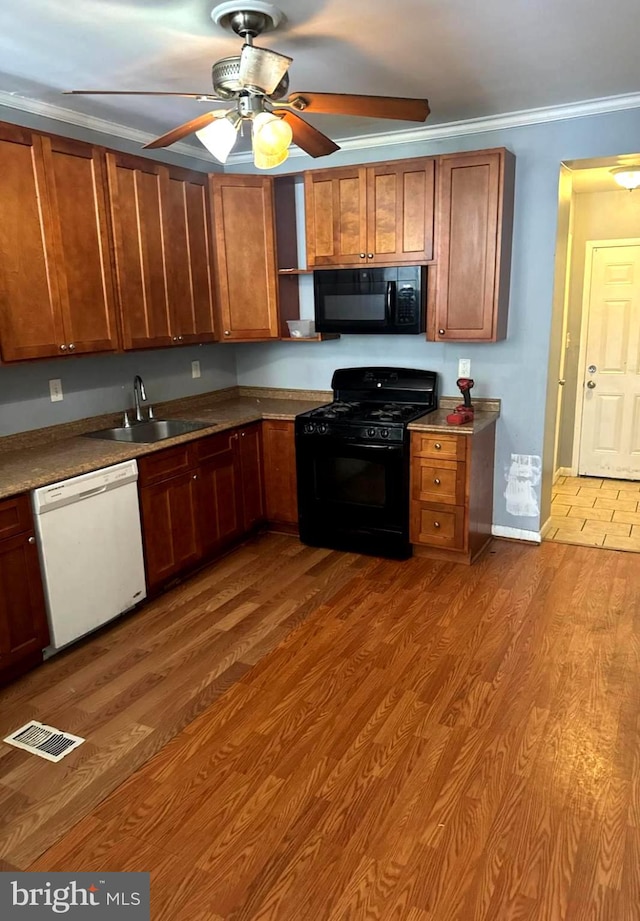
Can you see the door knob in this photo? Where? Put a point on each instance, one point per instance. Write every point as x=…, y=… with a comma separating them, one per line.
x=591, y=385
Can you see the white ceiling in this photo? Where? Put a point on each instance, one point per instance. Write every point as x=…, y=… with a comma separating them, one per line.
x=469, y=59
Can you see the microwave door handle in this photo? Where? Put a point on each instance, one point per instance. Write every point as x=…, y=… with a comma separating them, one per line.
x=388, y=305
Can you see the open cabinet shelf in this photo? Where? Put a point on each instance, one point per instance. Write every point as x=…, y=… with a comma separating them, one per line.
x=287, y=253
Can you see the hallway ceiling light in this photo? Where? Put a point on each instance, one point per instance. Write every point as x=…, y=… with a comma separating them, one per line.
x=627, y=176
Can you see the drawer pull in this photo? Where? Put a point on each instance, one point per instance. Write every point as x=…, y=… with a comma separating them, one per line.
x=436, y=524
x=441, y=332
x=437, y=446
x=437, y=481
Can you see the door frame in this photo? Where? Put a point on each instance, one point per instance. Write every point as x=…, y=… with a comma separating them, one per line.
x=590, y=246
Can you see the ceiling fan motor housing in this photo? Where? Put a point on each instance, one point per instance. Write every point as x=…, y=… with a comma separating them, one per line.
x=225, y=75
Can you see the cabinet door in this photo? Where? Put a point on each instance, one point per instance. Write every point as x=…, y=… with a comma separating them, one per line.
x=219, y=492
x=280, y=481
x=475, y=195
x=243, y=219
x=400, y=199
x=23, y=622
x=171, y=540
x=185, y=215
x=136, y=214
x=336, y=216
x=77, y=187
x=30, y=312
x=250, y=440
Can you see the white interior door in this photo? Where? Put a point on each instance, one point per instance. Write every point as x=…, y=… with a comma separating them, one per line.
x=610, y=435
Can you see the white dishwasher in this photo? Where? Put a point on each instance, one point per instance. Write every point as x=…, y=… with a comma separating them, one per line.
x=90, y=544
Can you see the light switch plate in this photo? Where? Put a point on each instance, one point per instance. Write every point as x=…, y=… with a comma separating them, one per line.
x=464, y=367
x=195, y=369
x=55, y=390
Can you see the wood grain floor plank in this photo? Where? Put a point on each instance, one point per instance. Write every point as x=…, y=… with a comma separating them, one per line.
x=302, y=734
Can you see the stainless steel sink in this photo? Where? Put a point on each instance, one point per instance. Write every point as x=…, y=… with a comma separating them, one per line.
x=148, y=432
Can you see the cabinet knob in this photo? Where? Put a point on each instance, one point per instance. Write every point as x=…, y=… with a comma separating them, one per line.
x=71, y=346
x=369, y=255
x=63, y=348
x=243, y=434
x=195, y=476
x=441, y=332
x=31, y=540
x=174, y=338
x=179, y=338
x=362, y=255
x=227, y=332
x=437, y=446
x=437, y=481
x=436, y=524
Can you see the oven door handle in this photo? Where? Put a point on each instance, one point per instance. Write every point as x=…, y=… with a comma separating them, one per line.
x=389, y=300
x=370, y=447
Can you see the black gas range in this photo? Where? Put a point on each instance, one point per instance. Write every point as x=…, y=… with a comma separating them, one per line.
x=353, y=460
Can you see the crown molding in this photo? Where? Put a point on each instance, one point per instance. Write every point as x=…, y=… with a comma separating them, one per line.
x=463, y=128
x=470, y=126
x=91, y=123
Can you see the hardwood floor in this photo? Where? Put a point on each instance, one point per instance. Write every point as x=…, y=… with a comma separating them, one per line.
x=302, y=734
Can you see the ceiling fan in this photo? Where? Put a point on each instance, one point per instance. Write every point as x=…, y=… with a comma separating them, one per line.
x=256, y=83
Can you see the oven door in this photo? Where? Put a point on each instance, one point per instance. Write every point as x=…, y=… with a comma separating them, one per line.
x=353, y=496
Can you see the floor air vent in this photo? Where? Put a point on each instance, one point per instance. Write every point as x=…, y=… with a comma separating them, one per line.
x=44, y=741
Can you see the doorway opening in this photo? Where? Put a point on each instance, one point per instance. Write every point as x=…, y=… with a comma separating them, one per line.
x=593, y=395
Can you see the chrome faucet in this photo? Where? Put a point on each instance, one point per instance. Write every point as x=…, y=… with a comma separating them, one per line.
x=140, y=396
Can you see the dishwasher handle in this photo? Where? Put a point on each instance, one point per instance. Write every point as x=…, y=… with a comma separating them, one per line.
x=82, y=487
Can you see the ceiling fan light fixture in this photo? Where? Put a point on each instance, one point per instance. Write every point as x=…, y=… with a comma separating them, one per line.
x=271, y=136
x=627, y=176
x=220, y=136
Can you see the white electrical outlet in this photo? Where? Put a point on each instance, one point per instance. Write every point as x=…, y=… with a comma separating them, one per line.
x=464, y=367
x=55, y=390
x=195, y=369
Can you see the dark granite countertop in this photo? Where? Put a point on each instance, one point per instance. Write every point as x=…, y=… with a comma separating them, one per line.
x=34, y=459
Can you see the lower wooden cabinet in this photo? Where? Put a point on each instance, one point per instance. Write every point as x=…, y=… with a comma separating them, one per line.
x=280, y=480
x=24, y=631
x=452, y=493
x=198, y=499
x=252, y=480
x=219, y=490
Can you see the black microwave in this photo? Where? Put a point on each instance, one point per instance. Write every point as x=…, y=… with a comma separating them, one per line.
x=370, y=300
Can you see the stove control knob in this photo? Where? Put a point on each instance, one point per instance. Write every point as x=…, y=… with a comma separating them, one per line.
x=384, y=433
x=322, y=427
x=310, y=428
x=371, y=433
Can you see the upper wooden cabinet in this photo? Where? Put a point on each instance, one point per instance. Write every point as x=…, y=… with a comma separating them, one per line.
x=56, y=292
x=243, y=220
x=162, y=252
x=381, y=214
x=475, y=218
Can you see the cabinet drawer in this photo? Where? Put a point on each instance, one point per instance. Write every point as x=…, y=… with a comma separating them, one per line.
x=437, y=526
x=427, y=444
x=212, y=445
x=442, y=481
x=15, y=516
x=164, y=464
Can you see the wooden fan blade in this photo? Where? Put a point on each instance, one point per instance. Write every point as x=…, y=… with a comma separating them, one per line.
x=410, y=110
x=176, y=134
x=314, y=142
x=203, y=96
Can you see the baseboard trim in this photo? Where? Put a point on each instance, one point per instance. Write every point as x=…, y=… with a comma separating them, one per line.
x=546, y=527
x=533, y=537
x=565, y=471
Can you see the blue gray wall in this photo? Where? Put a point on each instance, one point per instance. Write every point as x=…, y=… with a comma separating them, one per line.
x=98, y=384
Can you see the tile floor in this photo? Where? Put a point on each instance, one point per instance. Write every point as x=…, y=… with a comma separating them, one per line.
x=596, y=512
